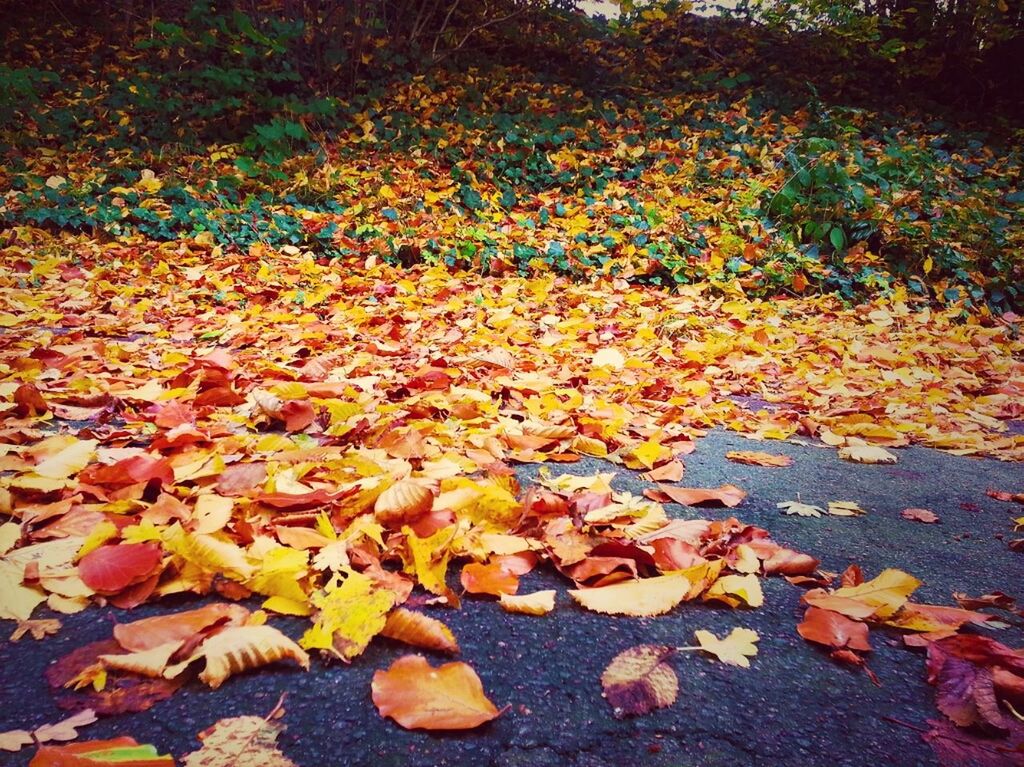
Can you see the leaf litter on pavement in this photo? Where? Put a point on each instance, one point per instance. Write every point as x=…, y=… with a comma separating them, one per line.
x=335, y=444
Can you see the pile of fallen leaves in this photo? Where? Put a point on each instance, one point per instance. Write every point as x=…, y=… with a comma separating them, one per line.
x=337, y=445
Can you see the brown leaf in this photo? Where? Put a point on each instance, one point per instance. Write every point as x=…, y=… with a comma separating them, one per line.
x=754, y=458
x=920, y=515
x=638, y=680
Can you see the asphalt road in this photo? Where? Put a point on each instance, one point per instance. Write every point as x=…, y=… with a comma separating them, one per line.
x=793, y=707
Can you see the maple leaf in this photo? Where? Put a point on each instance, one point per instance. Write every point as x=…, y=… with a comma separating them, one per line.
x=735, y=649
x=638, y=680
x=800, y=509
x=646, y=597
x=418, y=696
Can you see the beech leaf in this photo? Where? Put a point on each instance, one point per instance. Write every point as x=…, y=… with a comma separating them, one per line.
x=638, y=680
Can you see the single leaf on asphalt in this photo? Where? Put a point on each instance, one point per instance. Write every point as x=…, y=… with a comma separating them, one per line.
x=418, y=696
x=1003, y=495
x=638, y=680
x=735, y=590
x=66, y=729
x=845, y=509
x=726, y=495
x=866, y=454
x=800, y=509
x=668, y=472
x=834, y=630
x=38, y=629
x=735, y=649
x=641, y=598
x=920, y=515
x=419, y=630
x=240, y=741
x=537, y=603
x=122, y=752
x=240, y=648
x=755, y=458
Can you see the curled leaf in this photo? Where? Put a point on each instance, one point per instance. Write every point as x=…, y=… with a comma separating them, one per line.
x=419, y=630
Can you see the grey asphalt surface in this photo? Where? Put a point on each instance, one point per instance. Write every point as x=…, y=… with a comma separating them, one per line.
x=793, y=707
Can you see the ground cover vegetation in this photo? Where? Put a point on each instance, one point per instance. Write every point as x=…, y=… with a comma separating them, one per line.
x=288, y=289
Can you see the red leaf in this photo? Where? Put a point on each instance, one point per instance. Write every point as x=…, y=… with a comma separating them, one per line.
x=129, y=471
x=29, y=401
x=110, y=569
x=297, y=414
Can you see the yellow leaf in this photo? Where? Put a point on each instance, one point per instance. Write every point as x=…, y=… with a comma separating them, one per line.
x=887, y=592
x=209, y=553
x=350, y=615
x=866, y=454
x=71, y=460
x=642, y=598
x=17, y=601
x=736, y=649
x=211, y=513
x=430, y=558
x=735, y=590
x=609, y=357
x=537, y=603
x=238, y=648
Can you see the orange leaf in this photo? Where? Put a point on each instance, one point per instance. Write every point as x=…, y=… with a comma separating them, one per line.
x=419, y=630
x=491, y=579
x=420, y=697
x=669, y=472
x=833, y=630
x=110, y=569
x=148, y=633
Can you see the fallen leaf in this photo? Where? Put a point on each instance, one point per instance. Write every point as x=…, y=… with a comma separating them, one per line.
x=646, y=597
x=638, y=680
x=418, y=696
x=122, y=752
x=726, y=495
x=147, y=633
x=239, y=648
x=845, y=509
x=111, y=569
x=39, y=629
x=735, y=590
x=735, y=649
x=755, y=458
x=493, y=579
x=537, y=603
x=866, y=454
x=920, y=515
x=834, y=630
x=238, y=741
x=419, y=630
x=800, y=509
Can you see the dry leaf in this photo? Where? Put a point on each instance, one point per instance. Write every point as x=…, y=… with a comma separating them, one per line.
x=736, y=649
x=420, y=697
x=122, y=751
x=755, y=458
x=726, y=495
x=641, y=598
x=240, y=648
x=833, y=630
x=537, y=603
x=845, y=509
x=638, y=680
x=920, y=515
x=240, y=741
x=419, y=630
x=800, y=509
x=403, y=502
x=735, y=590
x=866, y=454
x=39, y=629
